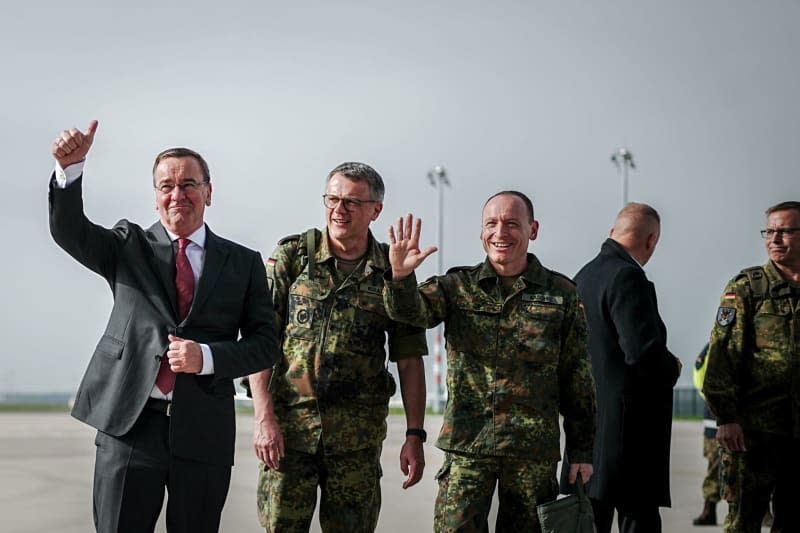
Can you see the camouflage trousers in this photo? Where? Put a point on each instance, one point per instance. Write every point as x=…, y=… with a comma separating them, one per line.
x=769, y=467
x=467, y=484
x=350, y=492
x=711, y=452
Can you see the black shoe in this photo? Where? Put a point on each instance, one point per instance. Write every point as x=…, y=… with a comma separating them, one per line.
x=709, y=515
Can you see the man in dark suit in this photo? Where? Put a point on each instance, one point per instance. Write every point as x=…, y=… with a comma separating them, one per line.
x=634, y=372
x=191, y=312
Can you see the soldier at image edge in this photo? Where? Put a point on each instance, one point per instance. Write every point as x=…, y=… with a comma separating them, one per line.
x=752, y=383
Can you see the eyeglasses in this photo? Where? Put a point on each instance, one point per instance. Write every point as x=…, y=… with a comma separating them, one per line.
x=780, y=232
x=349, y=204
x=186, y=187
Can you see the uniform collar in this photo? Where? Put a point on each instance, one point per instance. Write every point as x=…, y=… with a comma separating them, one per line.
x=375, y=258
x=778, y=285
x=534, y=273
x=612, y=247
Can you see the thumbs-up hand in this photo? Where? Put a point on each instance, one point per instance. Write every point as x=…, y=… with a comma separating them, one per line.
x=72, y=145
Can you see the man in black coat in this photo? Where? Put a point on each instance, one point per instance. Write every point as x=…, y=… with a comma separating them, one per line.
x=635, y=374
x=191, y=312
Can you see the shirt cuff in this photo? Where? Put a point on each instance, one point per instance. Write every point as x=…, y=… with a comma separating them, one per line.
x=66, y=176
x=408, y=283
x=208, y=361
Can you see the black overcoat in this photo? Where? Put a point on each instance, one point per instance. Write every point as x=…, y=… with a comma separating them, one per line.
x=635, y=373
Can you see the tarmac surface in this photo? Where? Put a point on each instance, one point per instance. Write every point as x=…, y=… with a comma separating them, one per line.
x=46, y=462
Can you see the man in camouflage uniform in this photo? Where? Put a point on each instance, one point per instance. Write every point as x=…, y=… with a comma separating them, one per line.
x=516, y=357
x=752, y=383
x=320, y=413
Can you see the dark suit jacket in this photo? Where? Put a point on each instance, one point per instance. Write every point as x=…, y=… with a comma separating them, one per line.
x=634, y=373
x=139, y=267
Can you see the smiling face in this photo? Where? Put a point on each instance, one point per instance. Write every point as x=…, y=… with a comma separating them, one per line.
x=784, y=248
x=505, y=232
x=348, y=227
x=181, y=206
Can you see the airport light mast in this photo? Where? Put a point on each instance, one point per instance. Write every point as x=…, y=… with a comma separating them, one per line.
x=437, y=177
x=623, y=159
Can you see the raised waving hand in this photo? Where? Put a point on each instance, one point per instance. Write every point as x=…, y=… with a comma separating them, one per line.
x=404, y=252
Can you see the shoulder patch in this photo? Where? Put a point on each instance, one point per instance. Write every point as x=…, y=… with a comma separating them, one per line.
x=726, y=316
x=289, y=238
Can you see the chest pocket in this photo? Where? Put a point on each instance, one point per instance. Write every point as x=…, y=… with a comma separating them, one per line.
x=370, y=298
x=474, y=325
x=772, y=324
x=370, y=322
x=305, y=316
x=538, y=326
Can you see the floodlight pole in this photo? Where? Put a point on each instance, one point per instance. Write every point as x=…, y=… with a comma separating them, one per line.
x=623, y=159
x=437, y=177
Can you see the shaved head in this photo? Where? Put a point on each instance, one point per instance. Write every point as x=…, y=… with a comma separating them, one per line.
x=637, y=218
x=637, y=228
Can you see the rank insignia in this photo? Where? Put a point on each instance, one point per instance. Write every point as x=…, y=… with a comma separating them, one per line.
x=543, y=298
x=726, y=316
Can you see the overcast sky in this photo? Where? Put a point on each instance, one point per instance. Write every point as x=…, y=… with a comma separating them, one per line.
x=521, y=95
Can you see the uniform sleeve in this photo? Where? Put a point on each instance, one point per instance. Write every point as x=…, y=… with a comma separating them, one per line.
x=279, y=281
x=406, y=341
x=576, y=387
x=725, y=352
x=424, y=306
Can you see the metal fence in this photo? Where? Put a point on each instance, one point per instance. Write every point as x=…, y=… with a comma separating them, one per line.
x=687, y=402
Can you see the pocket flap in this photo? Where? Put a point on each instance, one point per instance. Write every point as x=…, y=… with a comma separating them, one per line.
x=110, y=347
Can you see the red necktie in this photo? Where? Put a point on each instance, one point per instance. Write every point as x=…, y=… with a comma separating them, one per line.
x=184, y=283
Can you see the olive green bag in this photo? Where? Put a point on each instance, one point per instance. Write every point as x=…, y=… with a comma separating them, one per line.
x=571, y=514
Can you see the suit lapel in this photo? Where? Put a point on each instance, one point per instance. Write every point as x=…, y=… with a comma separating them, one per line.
x=163, y=263
x=216, y=253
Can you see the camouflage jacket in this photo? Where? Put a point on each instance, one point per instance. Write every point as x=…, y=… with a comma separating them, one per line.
x=513, y=363
x=753, y=374
x=331, y=383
